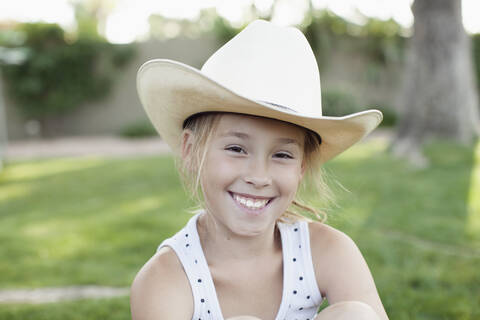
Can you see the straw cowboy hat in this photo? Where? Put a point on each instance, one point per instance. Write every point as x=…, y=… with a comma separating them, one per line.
x=265, y=70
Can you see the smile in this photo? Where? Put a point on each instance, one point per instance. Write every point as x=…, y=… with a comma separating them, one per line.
x=251, y=203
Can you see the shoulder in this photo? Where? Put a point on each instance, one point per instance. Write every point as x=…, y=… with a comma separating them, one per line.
x=329, y=241
x=322, y=231
x=161, y=289
x=332, y=250
x=334, y=255
x=341, y=271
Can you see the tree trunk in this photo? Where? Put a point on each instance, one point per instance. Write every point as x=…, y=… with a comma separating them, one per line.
x=439, y=96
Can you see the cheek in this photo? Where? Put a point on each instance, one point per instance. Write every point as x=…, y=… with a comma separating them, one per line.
x=218, y=165
x=289, y=178
x=219, y=171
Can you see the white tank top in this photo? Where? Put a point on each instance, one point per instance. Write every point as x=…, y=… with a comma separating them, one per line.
x=301, y=296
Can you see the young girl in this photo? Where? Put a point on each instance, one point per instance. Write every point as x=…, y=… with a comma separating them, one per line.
x=248, y=131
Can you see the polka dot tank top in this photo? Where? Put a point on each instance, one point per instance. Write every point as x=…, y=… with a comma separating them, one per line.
x=301, y=296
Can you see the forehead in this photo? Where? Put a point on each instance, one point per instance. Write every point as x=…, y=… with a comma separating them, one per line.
x=255, y=125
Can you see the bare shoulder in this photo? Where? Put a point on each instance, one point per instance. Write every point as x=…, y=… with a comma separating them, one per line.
x=332, y=250
x=323, y=236
x=161, y=289
x=340, y=268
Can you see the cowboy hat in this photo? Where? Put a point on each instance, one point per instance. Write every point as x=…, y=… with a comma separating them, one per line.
x=265, y=70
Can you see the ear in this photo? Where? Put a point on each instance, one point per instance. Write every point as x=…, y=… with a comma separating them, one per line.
x=187, y=143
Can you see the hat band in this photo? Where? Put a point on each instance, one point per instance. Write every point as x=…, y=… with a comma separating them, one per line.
x=319, y=138
x=277, y=105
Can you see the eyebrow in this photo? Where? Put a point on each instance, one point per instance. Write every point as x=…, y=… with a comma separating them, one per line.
x=243, y=135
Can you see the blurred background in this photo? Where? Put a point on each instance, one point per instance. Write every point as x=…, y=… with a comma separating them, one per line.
x=88, y=189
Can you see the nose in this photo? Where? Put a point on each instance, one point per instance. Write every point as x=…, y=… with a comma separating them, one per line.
x=258, y=175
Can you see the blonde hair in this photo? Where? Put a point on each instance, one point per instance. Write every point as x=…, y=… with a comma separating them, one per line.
x=203, y=127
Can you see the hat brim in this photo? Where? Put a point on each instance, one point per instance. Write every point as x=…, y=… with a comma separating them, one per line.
x=171, y=91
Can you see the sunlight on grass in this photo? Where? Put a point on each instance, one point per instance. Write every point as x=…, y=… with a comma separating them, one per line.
x=62, y=227
x=11, y=192
x=34, y=170
x=363, y=150
x=40, y=229
x=58, y=239
x=357, y=215
x=70, y=245
x=473, y=220
x=143, y=204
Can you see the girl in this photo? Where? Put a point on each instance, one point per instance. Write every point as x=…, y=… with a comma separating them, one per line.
x=248, y=130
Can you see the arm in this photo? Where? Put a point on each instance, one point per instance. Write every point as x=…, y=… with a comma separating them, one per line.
x=348, y=310
x=343, y=274
x=161, y=290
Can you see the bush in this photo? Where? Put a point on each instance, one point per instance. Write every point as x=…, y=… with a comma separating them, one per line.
x=139, y=130
x=389, y=114
x=58, y=75
x=338, y=103
x=389, y=117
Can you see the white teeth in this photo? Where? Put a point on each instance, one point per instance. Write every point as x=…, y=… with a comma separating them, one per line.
x=250, y=203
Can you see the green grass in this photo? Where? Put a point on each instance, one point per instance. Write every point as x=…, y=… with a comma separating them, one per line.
x=96, y=221
x=85, y=221
x=112, y=309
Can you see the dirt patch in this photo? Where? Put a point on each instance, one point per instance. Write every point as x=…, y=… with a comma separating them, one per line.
x=46, y=295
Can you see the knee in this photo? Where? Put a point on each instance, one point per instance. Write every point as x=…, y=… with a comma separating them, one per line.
x=348, y=310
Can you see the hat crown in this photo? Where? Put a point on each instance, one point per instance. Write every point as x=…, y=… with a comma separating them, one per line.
x=269, y=63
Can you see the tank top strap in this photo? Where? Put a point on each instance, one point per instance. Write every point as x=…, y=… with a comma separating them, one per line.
x=187, y=246
x=302, y=296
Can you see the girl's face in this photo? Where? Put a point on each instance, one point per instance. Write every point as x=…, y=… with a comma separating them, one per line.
x=251, y=172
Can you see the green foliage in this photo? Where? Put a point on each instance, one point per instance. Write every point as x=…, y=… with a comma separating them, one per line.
x=381, y=41
x=476, y=56
x=389, y=116
x=59, y=75
x=139, y=130
x=321, y=28
x=337, y=103
x=223, y=30
x=328, y=22
x=86, y=18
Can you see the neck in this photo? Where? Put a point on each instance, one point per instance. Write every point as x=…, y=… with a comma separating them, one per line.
x=220, y=245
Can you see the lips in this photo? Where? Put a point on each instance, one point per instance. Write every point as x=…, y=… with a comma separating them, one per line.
x=250, y=202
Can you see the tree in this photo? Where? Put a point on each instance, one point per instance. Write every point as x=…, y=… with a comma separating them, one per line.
x=439, y=94
x=57, y=76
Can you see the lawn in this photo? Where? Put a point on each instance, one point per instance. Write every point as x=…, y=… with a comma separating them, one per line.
x=75, y=221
